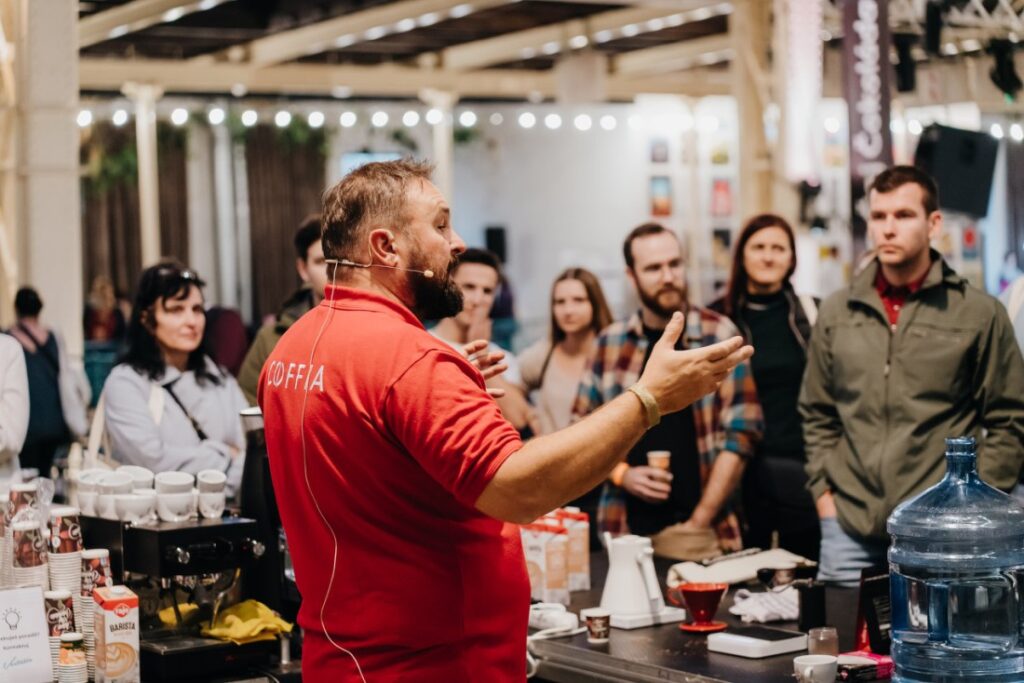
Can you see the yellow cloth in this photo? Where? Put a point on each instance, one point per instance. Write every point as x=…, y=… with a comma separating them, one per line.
x=247, y=622
x=168, y=618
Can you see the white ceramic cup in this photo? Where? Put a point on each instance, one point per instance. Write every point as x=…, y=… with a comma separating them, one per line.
x=211, y=504
x=815, y=668
x=142, y=478
x=174, y=507
x=87, y=502
x=211, y=481
x=173, y=482
x=132, y=507
x=88, y=479
x=114, y=482
x=105, y=505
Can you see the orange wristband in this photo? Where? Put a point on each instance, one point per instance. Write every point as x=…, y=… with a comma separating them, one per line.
x=618, y=474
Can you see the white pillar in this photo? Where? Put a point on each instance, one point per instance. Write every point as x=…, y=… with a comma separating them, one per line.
x=202, y=236
x=748, y=29
x=49, y=213
x=144, y=97
x=224, y=198
x=243, y=232
x=443, y=158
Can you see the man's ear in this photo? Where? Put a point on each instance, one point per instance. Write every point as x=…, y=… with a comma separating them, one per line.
x=934, y=224
x=300, y=267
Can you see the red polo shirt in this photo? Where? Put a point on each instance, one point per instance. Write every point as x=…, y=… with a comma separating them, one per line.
x=381, y=438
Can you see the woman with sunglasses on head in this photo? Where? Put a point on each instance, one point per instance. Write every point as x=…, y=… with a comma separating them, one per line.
x=777, y=322
x=168, y=406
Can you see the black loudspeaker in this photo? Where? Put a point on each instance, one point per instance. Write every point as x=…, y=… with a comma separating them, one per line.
x=962, y=163
x=494, y=240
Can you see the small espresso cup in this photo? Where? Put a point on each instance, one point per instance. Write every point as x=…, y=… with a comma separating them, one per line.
x=211, y=504
x=142, y=478
x=173, y=482
x=599, y=622
x=211, y=481
x=815, y=668
x=174, y=507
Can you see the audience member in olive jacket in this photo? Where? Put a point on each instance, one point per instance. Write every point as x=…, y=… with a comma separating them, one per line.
x=777, y=322
x=907, y=355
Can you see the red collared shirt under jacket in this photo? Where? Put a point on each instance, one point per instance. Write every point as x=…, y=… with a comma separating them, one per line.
x=381, y=438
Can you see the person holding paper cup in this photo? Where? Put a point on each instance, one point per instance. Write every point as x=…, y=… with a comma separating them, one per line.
x=394, y=469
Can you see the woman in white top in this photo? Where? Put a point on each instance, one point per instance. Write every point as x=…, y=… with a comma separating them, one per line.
x=552, y=367
x=167, y=405
x=13, y=404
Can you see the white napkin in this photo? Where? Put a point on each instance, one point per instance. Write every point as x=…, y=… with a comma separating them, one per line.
x=783, y=605
x=739, y=570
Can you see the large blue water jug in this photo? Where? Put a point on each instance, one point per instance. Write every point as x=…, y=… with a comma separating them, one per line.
x=956, y=567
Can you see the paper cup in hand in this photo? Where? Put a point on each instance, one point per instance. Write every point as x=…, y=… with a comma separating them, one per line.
x=659, y=459
x=211, y=481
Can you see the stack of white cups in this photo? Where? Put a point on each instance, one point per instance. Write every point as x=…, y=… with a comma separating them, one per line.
x=72, y=666
x=28, y=545
x=65, y=557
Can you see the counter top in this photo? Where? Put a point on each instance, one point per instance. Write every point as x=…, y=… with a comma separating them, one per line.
x=664, y=653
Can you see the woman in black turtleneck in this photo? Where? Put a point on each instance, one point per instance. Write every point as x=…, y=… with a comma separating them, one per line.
x=762, y=303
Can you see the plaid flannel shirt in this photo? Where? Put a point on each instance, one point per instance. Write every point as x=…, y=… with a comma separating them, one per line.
x=729, y=419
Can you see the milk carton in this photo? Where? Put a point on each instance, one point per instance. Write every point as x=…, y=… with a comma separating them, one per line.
x=546, y=548
x=578, y=525
x=117, y=635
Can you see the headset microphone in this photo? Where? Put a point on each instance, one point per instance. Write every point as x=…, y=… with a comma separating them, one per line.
x=353, y=264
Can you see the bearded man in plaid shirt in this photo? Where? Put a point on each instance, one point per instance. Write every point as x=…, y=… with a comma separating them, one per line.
x=687, y=510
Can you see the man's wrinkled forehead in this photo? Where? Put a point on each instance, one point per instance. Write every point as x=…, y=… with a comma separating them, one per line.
x=424, y=199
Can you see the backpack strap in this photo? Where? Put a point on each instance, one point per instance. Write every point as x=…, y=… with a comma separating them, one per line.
x=810, y=308
x=98, y=451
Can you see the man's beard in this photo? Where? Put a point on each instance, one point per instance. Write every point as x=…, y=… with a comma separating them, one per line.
x=651, y=300
x=434, y=297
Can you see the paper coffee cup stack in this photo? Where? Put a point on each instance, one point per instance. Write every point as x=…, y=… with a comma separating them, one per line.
x=65, y=558
x=28, y=546
x=95, y=574
x=71, y=667
x=59, y=620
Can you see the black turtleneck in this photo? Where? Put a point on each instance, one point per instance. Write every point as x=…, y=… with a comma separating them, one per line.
x=778, y=366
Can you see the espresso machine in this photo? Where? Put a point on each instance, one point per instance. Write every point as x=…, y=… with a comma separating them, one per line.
x=184, y=573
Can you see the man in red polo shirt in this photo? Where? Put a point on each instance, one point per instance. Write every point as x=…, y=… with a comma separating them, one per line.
x=394, y=471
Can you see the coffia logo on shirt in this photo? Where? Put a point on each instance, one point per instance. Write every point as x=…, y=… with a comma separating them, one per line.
x=305, y=376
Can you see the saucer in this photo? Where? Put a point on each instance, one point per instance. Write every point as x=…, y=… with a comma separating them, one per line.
x=709, y=627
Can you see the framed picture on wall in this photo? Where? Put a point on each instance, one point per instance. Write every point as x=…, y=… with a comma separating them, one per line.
x=661, y=195
x=659, y=150
x=721, y=197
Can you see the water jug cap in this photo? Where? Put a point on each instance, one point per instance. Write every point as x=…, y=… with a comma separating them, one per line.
x=962, y=445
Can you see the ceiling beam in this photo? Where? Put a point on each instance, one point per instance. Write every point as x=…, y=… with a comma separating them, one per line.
x=134, y=16
x=348, y=29
x=375, y=81
x=607, y=25
x=672, y=57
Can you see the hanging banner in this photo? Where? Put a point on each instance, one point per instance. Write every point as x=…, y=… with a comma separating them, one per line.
x=866, y=73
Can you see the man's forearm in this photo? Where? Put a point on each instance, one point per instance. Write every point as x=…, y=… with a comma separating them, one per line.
x=554, y=469
x=722, y=481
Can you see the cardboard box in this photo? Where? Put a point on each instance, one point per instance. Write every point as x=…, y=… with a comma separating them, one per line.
x=116, y=615
x=546, y=547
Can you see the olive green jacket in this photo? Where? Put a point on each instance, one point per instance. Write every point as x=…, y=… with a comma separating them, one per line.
x=877, y=404
x=266, y=339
